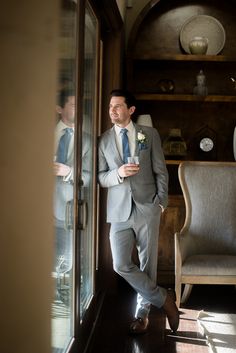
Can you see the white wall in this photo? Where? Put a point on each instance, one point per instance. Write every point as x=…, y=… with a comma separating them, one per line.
x=132, y=13
x=28, y=64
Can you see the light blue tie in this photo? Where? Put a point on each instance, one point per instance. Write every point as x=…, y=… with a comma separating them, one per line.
x=125, y=145
x=63, y=146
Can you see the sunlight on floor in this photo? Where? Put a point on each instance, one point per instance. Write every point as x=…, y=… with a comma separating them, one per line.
x=185, y=340
x=220, y=331
x=60, y=325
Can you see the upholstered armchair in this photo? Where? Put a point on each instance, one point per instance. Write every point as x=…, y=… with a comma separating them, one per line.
x=205, y=248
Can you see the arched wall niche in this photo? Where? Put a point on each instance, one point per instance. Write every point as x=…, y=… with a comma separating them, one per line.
x=157, y=28
x=137, y=23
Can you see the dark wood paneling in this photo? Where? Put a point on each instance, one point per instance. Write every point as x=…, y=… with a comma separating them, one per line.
x=172, y=221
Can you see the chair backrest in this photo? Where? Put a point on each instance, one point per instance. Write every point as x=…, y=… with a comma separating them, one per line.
x=209, y=190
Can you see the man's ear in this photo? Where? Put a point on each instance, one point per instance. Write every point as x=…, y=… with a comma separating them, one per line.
x=132, y=109
x=58, y=109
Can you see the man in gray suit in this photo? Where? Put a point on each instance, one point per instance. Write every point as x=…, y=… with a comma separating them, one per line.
x=64, y=172
x=137, y=194
x=64, y=181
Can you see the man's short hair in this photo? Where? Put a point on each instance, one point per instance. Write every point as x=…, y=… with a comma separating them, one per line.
x=63, y=96
x=129, y=97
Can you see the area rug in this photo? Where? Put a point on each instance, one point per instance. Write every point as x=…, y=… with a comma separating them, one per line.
x=220, y=331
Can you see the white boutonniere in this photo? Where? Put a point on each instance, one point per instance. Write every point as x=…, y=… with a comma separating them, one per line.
x=142, y=140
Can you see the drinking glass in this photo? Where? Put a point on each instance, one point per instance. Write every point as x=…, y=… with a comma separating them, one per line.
x=133, y=160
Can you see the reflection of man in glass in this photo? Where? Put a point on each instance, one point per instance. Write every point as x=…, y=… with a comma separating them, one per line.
x=63, y=169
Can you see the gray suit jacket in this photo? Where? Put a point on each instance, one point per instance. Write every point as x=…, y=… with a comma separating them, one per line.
x=147, y=188
x=64, y=189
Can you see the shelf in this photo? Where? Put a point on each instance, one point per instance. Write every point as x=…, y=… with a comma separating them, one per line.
x=184, y=97
x=185, y=57
x=173, y=161
x=178, y=161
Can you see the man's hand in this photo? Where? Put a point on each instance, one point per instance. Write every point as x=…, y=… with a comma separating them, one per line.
x=61, y=169
x=127, y=170
x=162, y=208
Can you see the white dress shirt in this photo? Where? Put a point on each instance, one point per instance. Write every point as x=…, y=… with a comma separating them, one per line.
x=131, y=137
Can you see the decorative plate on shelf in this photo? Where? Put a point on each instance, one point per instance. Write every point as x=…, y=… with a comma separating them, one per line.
x=203, y=26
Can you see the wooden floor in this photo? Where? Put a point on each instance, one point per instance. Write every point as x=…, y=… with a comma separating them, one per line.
x=111, y=335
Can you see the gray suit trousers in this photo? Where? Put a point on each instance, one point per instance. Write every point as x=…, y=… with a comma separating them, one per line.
x=140, y=230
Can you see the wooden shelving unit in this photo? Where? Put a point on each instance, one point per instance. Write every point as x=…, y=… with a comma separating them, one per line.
x=184, y=97
x=173, y=161
x=184, y=57
x=155, y=56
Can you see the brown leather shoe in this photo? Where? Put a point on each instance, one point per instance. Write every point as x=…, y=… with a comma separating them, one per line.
x=139, y=326
x=171, y=310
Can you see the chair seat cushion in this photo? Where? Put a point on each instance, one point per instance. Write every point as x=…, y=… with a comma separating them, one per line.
x=210, y=265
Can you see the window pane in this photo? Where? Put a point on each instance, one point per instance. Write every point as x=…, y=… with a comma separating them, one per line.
x=88, y=189
x=62, y=308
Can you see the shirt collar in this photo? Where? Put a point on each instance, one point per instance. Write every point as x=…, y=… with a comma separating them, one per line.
x=130, y=127
x=61, y=126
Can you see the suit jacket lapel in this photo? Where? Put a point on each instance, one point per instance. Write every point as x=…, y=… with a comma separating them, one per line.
x=114, y=149
x=113, y=144
x=137, y=128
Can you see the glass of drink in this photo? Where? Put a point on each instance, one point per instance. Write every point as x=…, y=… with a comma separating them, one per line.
x=133, y=160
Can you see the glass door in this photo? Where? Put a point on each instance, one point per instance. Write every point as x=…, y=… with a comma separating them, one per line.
x=88, y=185
x=64, y=167
x=74, y=166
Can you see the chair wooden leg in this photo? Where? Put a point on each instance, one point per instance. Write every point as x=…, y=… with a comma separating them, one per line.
x=177, y=292
x=178, y=263
x=186, y=292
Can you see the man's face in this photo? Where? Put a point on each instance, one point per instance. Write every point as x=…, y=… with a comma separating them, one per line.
x=68, y=111
x=120, y=114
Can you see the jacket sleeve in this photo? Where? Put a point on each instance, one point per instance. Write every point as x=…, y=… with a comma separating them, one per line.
x=107, y=177
x=159, y=169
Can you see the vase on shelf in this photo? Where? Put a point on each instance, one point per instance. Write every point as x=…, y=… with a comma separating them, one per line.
x=201, y=88
x=198, y=45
